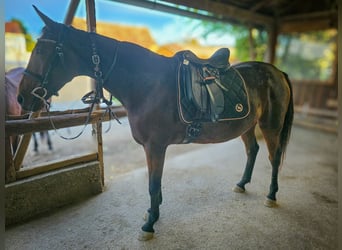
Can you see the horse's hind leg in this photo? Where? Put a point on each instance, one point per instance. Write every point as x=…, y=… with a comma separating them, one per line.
x=155, y=156
x=252, y=149
x=272, y=138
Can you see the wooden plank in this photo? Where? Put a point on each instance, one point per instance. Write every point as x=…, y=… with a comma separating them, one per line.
x=316, y=112
x=58, y=164
x=227, y=11
x=59, y=121
x=91, y=16
x=71, y=12
x=17, y=117
x=23, y=145
x=64, y=112
x=305, y=26
x=21, y=151
x=272, y=42
x=100, y=149
x=9, y=165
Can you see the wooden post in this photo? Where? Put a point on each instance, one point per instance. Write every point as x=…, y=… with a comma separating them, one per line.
x=23, y=145
x=91, y=17
x=71, y=12
x=252, y=53
x=9, y=164
x=91, y=27
x=272, y=42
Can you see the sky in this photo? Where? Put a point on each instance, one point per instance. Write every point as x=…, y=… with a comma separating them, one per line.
x=165, y=28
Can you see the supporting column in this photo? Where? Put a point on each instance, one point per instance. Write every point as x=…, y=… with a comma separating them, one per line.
x=71, y=12
x=91, y=27
x=272, y=42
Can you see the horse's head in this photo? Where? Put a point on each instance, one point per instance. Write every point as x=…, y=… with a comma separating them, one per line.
x=46, y=72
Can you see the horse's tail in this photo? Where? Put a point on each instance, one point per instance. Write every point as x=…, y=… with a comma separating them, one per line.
x=286, y=130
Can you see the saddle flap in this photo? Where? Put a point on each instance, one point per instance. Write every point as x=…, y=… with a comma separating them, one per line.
x=216, y=100
x=197, y=89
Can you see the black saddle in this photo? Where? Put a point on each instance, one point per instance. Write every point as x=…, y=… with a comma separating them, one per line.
x=219, y=60
x=209, y=90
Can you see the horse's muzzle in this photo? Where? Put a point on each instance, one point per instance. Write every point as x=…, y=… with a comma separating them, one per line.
x=34, y=106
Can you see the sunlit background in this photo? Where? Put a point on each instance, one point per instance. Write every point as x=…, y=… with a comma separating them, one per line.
x=307, y=57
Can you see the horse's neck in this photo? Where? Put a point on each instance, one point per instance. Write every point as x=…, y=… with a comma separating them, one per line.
x=127, y=69
x=135, y=70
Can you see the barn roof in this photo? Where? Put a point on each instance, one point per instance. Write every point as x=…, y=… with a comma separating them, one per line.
x=290, y=16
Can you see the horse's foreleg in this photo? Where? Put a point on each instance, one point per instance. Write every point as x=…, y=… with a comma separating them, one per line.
x=49, y=140
x=252, y=149
x=155, y=156
x=35, y=142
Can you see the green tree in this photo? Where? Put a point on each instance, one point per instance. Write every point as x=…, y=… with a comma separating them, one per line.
x=250, y=43
x=308, y=56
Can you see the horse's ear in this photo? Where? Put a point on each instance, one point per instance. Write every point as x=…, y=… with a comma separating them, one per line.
x=48, y=22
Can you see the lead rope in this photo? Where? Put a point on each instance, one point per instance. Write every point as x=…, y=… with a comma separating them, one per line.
x=47, y=106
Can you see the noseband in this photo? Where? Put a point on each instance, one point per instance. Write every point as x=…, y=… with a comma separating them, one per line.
x=43, y=79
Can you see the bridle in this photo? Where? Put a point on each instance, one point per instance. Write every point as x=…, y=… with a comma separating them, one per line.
x=94, y=97
x=43, y=79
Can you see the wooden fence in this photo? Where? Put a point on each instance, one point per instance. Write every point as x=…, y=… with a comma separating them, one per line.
x=25, y=126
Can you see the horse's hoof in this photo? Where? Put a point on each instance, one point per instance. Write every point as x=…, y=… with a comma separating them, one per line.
x=145, y=236
x=270, y=203
x=238, y=189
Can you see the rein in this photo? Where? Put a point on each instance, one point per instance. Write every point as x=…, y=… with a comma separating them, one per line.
x=94, y=97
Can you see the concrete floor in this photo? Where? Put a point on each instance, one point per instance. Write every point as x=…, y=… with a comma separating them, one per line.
x=200, y=210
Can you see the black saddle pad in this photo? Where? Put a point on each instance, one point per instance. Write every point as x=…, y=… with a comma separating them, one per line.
x=230, y=91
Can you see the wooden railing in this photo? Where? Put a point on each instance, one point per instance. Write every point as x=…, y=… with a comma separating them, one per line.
x=25, y=126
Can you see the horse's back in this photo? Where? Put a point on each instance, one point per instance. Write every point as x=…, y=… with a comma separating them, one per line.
x=260, y=73
x=271, y=87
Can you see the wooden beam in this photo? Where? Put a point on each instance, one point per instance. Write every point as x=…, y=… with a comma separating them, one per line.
x=16, y=127
x=311, y=15
x=58, y=164
x=225, y=10
x=258, y=5
x=216, y=11
x=23, y=145
x=305, y=25
x=71, y=12
x=21, y=151
x=91, y=17
x=272, y=43
x=9, y=164
x=315, y=21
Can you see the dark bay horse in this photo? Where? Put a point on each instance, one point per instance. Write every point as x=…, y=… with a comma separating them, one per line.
x=145, y=83
x=13, y=108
